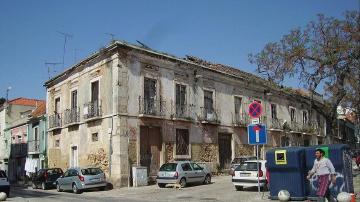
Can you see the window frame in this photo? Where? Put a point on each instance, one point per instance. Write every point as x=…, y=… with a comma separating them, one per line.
x=186, y=156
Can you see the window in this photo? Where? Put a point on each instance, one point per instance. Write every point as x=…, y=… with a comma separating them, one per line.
x=182, y=142
x=74, y=99
x=94, y=91
x=149, y=95
x=57, y=105
x=19, y=138
x=196, y=166
x=180, y=99
x=186, y=167
x=305, y=117
x=292, y=114
x=36, y=133
x=57, y=143
x=94, y=137
x=237, y=105
x=273, y=111
x=168, y=167
x=208, y=101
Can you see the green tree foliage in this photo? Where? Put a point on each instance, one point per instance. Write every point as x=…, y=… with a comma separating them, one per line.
x=326, y=51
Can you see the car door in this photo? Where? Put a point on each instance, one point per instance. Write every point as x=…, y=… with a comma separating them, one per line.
x=199, y=174
x=64, y=181
x=188, y=172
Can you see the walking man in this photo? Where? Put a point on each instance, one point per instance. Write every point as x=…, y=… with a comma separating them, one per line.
x=323, y=168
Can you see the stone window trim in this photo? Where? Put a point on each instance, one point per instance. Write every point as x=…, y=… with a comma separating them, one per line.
x=71, y=97
x=188, y=156
x=305, y=116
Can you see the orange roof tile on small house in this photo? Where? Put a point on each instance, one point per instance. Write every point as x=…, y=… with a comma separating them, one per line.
x=26, y=102
x=40, y=110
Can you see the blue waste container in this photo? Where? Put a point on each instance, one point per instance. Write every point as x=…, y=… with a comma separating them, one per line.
x=339, y=155
x=286, y=167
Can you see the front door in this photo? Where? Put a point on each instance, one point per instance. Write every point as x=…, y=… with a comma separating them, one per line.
x=74, y=157
x=224, y=150
x=150, y=148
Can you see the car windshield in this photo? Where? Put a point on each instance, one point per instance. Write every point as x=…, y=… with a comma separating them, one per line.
x=55, y=171
x=248, y=166
x=168, y=167
x=2, y=174
x=91, y=171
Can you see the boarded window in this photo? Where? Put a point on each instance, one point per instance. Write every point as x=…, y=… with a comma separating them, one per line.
x=208, y=101
x=273, y=111
x=180, y=100
x=182, y=142
x=238, y=105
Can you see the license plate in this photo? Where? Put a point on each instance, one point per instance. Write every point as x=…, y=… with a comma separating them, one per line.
x=244, y=174
x=95, y=180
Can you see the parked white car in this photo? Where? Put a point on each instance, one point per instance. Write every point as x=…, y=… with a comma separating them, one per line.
x=246, y=175
x=4, y=183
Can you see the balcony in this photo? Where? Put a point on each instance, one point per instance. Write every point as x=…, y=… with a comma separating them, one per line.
x=308, y=128
x=182, y=112
x=295, y=127
x=33, y=146
x=209, y=115
x=92, y=111
x=149, y=107
x=72, y=116
x=276, y=124
x=55, y=121
x=241, y=120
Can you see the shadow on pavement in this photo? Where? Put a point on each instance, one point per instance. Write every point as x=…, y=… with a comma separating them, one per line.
x=25, y=192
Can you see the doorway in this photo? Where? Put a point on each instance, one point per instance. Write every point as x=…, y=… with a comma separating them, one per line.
x=74, y=157
x=150, y=149
x=224, y=141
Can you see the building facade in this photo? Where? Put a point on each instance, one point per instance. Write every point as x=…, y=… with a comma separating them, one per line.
x=128, y=105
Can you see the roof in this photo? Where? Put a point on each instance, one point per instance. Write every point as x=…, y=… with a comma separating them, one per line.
x=40, y=110
x=26, y=101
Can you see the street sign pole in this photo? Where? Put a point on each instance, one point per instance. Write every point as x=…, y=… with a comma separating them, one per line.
x=257, y=159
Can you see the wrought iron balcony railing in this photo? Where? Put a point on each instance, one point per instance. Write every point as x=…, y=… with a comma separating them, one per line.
x=152, y=107
x=55, y=120
x=71, y=116
x=92, y=110
x=209, y=115
x=276, y=124
x=241, y=120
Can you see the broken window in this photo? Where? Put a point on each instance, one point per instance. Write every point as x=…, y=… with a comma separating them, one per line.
x=180, y=99
x=292, y=114
x=273, y=111
x=305, y=117
x=149, y=95
x=208, y=102
x=182, y=142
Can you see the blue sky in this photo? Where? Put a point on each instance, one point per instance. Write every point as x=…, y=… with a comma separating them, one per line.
x=219, y=31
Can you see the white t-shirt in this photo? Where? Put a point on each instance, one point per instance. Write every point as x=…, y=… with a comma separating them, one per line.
x=323, y=167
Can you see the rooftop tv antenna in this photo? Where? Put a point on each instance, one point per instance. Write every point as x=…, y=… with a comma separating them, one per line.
x=111, y=35
x=66, y=36
x=143, y=45
x=53, y=64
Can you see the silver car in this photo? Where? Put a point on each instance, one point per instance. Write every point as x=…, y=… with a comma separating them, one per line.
x=79, y=179
x=182, y=172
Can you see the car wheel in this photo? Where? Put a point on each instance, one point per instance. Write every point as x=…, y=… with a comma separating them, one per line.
x=33, y=185
x=102, y=188
x=43, y=186
x=58, y=188
x=207, y=179
x=75, y=189
x=239, y=188
x=161, y=185
x=183, y=182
